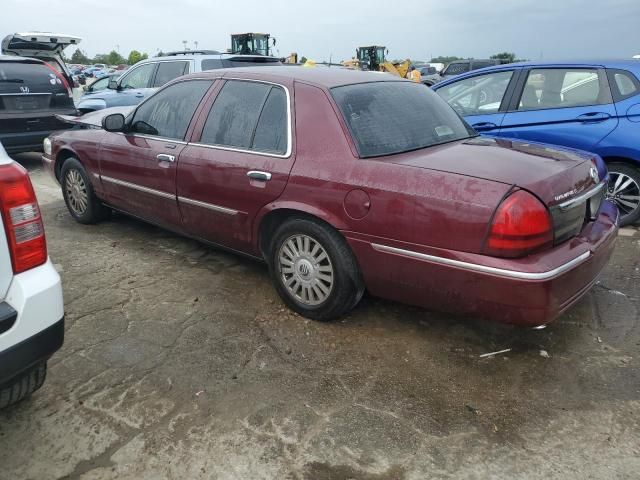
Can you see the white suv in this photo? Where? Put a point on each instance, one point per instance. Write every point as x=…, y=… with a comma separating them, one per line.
x=31, y=306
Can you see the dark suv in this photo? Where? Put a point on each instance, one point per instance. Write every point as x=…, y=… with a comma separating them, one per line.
x=31, y=93
x=463, y=66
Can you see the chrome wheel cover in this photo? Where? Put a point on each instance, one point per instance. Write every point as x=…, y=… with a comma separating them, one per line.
x=305, y=269
x=76, y=189
x=624, y=192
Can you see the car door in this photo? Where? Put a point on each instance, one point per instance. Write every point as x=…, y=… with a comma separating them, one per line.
x=138, y=166
x=481, y=99
x=570, y=106
x=238, y=162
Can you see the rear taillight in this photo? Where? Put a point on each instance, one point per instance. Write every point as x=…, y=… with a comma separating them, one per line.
x=521, y=225
x=21, y=218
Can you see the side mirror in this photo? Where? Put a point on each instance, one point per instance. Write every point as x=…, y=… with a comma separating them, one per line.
x=113, y=123
x=113, y=84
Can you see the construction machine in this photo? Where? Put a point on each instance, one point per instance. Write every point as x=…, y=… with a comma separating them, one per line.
x=370, y=58
x=374, y=58
x=252, y=44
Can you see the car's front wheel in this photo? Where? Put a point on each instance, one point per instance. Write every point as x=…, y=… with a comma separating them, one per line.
x=314, y=270
x=624, y=191
x=81, y=200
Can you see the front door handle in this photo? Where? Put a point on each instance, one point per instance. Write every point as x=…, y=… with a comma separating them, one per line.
x=484, y=126
x=257, y=175
x=163, y=157
x=593, y=117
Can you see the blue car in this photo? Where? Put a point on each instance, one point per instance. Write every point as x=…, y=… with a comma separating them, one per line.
x=593, y=106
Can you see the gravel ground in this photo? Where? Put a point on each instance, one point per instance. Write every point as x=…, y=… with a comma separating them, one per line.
x=180, y=361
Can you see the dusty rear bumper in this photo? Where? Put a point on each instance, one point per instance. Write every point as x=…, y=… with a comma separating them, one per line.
x=528, y=292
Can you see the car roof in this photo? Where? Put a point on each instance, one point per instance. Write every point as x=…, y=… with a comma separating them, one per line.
x=326, y=77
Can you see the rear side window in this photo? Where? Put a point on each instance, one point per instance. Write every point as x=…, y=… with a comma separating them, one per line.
x=394, y=117
x=623, y=84
x=167, y=71
x=168, y=113
x=250, y=116
x=211, y=64
x=139, y=77
x=562, y=88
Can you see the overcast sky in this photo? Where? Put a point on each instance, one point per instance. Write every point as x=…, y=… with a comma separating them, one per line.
x=416, y=29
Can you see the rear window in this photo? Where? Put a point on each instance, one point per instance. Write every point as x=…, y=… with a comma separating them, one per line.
x=394, y=117
x=27, y=73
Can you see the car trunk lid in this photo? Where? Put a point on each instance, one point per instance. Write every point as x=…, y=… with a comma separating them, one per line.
x=566, y=181
x=44, y=46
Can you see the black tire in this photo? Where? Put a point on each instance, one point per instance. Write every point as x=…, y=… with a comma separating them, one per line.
x=23, y=386
x=347, y=286
x=94, y=211
x=627, y=216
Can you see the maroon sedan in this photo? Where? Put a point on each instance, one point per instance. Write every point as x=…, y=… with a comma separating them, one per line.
x=344, y=181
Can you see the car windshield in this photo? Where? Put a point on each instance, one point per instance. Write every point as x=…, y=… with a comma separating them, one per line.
x=386, y=118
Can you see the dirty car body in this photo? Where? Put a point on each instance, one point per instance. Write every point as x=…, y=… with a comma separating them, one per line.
x=493, y=228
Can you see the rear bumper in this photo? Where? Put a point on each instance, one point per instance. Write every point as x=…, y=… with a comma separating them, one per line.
x=530, y=292
x=36, y=330
x=30, y=352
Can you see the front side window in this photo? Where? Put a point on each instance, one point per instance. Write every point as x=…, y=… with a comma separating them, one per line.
x=479, y=95
x=168, y=71
x=139, y=77
x=168, y=113
x=250, y=116
x=386, y=118
x=562, y=88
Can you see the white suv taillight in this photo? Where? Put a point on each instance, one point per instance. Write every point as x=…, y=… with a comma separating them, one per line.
x=21, y=217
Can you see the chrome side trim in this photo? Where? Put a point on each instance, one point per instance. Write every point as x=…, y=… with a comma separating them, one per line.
x=501, y=272
x=287, y=154
x=151, y=137
x=139, y=188
x=210, y=206
x=581, y=198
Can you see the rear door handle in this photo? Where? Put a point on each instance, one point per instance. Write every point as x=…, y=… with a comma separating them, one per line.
x=593, y=117
x=163, y=157
x=258, y=175
x=484, y=126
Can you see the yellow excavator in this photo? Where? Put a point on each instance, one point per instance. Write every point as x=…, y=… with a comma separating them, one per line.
x=373, y=58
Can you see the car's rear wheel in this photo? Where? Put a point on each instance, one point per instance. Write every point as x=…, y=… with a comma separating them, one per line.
x=21, y=387
x=77, y=190
x=314, y=270
x=624, y=191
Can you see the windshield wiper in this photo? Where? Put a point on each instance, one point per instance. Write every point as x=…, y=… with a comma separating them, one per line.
x=11, y=80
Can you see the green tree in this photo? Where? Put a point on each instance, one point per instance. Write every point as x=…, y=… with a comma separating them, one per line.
x=101, y=58
x=135, y=56
x=505, y=57
x=80, y=57
x=445, y=60
x=114, y=58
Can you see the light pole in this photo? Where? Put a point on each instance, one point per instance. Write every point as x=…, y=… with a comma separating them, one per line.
x=184, y=42
x=195, y=42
